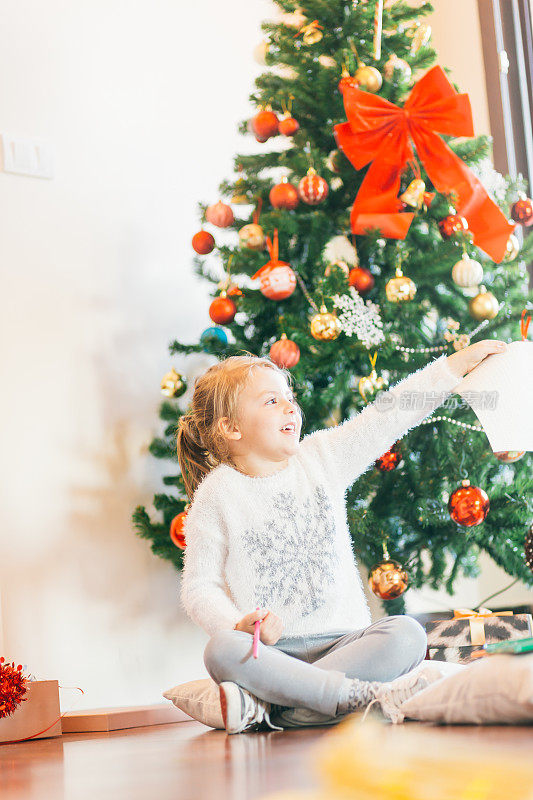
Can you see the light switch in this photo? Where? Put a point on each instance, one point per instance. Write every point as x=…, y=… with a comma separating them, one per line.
x=27, y=157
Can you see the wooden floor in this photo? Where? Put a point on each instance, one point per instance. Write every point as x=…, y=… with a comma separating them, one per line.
x=187, y=761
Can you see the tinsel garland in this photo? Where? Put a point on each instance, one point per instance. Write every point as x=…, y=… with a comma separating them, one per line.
x=12, y=687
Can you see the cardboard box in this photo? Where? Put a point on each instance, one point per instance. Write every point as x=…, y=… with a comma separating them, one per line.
x=36, y=713
x=114, y=719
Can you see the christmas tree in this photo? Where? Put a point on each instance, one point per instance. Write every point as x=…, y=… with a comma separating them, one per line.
x=368, y=241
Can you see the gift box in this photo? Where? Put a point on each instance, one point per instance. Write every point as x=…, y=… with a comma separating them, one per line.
x=456, y=655
x=470, y=628
x=38, y=716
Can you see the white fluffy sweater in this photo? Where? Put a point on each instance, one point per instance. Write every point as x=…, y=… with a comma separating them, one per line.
x=282, y=542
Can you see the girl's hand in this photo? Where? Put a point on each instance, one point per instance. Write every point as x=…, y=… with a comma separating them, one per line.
x=464, y=361
x=270, y=629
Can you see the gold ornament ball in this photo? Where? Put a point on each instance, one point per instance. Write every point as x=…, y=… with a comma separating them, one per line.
x=252, y=236
x=512, y=249
x=173, y=384
x=366, y=388
x=325, y=326
x=369, y=78
x=312, y=36
x=400, y=289
x=484, y=305
x=388, y=579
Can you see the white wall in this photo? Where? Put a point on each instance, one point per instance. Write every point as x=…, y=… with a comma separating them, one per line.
x=140, y=102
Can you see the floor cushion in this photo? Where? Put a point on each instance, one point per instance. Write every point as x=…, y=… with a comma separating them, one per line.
x=200, y=700
x=495, y=690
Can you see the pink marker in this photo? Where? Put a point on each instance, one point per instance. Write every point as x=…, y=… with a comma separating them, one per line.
x=256, y=636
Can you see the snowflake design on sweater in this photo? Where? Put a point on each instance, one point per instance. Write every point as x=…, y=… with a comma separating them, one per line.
x=294, y=552
x=360, y=318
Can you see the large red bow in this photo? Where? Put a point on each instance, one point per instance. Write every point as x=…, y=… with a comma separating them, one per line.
x=380, y=132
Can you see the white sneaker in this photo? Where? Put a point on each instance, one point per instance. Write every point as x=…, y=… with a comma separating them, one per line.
x=391, y=695
x=242, y=710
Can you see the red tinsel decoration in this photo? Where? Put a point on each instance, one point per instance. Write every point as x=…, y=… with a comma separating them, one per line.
x=12, y=687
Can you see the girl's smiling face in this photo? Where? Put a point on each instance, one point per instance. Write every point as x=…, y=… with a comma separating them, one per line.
x=268, y=426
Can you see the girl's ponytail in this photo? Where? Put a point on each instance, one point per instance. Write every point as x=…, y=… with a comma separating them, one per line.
x=194, y=460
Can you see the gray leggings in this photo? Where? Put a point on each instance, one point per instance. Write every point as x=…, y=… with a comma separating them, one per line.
x=304, y=676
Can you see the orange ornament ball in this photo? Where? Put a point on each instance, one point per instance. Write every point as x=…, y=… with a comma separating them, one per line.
x=203, y=242
x=265, y=124
x=176, y=530
x=468, y=505
x=289, y=126
x=284, y=195
x=312, y=188
x=388, y=579
x=220, y=214
x=222, y=310
x=278, y=282
x=285, y=353
x=361, y=279
x=509, y=456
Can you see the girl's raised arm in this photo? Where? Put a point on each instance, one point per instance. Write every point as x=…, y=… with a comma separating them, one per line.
x=348, y=450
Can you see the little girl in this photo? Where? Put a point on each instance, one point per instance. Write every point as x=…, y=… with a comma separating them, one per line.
x=267, y=529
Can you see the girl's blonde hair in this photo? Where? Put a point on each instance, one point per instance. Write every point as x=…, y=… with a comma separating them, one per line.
x=200, y=444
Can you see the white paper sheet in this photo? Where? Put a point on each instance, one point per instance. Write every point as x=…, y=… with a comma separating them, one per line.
x=500, y=392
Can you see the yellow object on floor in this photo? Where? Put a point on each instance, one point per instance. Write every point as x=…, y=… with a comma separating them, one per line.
x=373, y=760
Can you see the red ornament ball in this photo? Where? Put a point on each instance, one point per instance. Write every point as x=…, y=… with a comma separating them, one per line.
x=289, y=126
x=220, y=214
x=203, y=242
x=265, y=124
x=348, y=82
x=222, y=310
x=285, y=353
x=176, y=530
x=509, y=456
x=389, y=460
x=522, y=211
x=468, y=505
x=361, y=279
x=284, y=195
x=313, y=189
x=278, y=282
x=451, y=224
x=12, y=687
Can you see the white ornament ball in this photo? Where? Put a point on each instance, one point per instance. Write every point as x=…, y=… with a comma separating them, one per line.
x=327, y=62
x=467, y=272
x=339, y=248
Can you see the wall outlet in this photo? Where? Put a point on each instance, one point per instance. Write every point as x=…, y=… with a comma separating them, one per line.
x=31, y=157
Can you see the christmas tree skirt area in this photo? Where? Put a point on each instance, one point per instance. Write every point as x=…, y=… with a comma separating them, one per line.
x=191, y=762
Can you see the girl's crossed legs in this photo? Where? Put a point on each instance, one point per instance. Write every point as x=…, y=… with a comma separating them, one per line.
x=306, y=676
